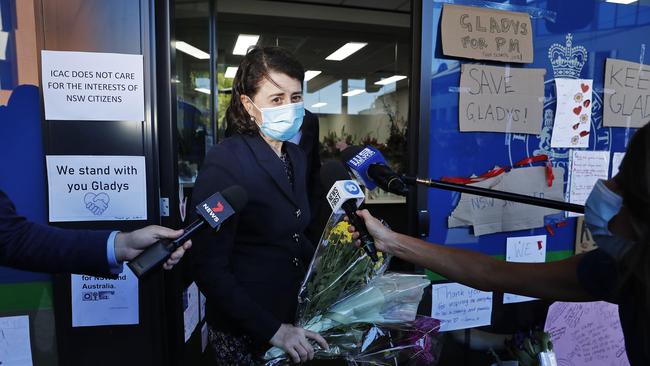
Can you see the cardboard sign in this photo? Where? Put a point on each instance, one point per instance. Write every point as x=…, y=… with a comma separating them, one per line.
x=501, y=99
x=627, y=94
x=486, y=34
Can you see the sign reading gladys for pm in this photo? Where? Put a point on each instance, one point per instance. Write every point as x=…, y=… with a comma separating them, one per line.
x=96, y=188
x=92, y=86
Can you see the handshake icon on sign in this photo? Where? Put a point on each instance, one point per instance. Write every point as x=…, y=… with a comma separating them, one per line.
x=97, y=203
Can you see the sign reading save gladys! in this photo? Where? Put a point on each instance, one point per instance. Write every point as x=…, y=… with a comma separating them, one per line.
x=627, y=94
x=501, y=99
x=486, y=34
x=91, y=86
x=96, y=188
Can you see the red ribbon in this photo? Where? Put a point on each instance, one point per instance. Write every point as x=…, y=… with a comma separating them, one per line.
x=498, y=171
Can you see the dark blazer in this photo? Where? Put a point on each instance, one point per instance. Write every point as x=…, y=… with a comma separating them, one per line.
x=250, y=270
x=33, y=247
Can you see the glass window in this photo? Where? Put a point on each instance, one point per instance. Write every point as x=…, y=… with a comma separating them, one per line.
x=192, y=80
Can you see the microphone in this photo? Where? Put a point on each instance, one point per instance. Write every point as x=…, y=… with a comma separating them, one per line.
x=346, y=196
x=369, y=166
x=214, y=211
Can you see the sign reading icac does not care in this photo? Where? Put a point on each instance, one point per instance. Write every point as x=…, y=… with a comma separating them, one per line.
x=89, y=86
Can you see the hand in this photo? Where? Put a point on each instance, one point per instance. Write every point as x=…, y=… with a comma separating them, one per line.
x=381, y=234
x=293, y=341
x=129, y=245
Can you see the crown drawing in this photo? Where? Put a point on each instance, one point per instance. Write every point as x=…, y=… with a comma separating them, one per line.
x=567, y=60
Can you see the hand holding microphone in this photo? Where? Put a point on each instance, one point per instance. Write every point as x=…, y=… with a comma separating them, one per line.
x=214, y=211
x=346, y=196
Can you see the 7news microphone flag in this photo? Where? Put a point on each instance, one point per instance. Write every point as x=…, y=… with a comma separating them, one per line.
x=214, y=210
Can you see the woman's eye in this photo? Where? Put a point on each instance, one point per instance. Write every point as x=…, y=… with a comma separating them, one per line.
x=276, y=100
x=296, y=98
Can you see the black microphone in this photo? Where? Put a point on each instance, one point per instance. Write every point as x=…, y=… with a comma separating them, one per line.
x=369, y=166
x=214, y=211
x=346, y=195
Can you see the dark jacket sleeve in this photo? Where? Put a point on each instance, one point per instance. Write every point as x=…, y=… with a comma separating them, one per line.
x=33, y=247
x=212, y=263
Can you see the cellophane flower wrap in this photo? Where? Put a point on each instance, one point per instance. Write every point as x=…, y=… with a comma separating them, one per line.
x=365, y=314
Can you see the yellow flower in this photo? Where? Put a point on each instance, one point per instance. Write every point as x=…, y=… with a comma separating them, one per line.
x=378, y=264
x=341, y=230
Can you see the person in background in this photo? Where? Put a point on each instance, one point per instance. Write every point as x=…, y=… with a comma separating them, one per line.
x=617, y=213
x=33, y=247
x=251, y=269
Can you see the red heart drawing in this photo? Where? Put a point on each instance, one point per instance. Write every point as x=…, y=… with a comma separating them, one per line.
x=586, y=103
x=584, y=133
x=575, y=127
x=584, y=87
x=577, y=110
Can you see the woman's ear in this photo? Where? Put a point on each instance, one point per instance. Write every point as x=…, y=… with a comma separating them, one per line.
x=246, y=102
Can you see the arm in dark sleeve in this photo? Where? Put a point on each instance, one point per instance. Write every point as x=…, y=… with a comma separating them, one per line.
x=212, y=269
x=598, y=275
x=33, y=247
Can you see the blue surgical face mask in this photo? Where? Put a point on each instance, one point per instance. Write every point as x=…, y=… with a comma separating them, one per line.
x=601, y=206
x=283, y=122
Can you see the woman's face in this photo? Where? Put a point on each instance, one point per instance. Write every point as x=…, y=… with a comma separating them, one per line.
x=285, y=90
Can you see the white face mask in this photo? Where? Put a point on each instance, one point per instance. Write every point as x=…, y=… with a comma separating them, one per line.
x=282, y=122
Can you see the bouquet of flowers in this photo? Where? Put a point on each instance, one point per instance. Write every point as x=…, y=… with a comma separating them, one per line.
x=363, y=313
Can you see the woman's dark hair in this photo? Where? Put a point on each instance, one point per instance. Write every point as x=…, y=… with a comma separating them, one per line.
x=258, y=63
x=634, y=180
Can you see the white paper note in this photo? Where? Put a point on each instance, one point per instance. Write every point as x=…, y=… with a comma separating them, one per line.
x=617, y=159
x=524, y=249
x=573, y=113
x=587, y=167
x=190, y=309
x=459, y=307
x=4, y=38
x=100, y=301
x=92, y=86
x=15, y=348
x=96, y=188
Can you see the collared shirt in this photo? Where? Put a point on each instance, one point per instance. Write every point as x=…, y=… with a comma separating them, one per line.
x=113, y=264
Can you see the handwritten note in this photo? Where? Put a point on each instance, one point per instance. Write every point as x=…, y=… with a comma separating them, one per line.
x=627, y=94
x=15, y=348
x=486, y=34
x=489, y=215
x=524, y=249
x=459, y=307
x=617, y=159
x=501, y=99
x=586, y=334
x=572, y=123
x=586, y=168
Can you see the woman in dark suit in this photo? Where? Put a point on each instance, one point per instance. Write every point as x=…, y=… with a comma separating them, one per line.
x=251, y=269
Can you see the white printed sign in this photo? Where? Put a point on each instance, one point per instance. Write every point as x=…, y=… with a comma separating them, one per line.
x=15, y=348
x=459, y=307
x=586, y=168
x=91, y=86
x=190, y=309
x=96, y=188
x=100, y=301
x=524, y=249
